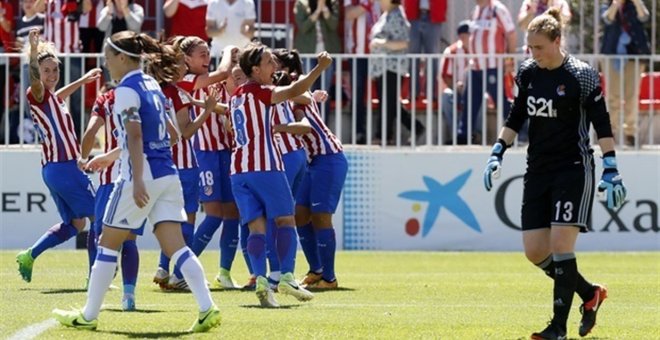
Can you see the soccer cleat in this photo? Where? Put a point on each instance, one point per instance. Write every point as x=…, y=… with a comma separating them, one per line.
x=224, y=280
x=324, y=285
x=177, y=284
x=206, y=320
x=128, y=303
x=25, y=262
x=251, y=284
x=272, y=283
x=265, y=294
x=161, y=278
x=590, y=308
x=311, y=278
x=552, y=332
x=289, y=286
x=73, y=318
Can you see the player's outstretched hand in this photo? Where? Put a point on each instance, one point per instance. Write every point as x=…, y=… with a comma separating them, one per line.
x=611, y=184
x=92, y=75
x=99, y=163
x=320, y=96
x=325, y=60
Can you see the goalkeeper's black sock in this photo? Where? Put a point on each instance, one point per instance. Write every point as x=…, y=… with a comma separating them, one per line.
x=584, y=288
x=565, y=283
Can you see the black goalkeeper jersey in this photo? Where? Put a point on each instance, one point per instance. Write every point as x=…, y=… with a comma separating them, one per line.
x=560, y=104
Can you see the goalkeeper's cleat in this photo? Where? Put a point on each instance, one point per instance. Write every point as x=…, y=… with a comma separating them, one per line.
x=265, y=294
x=590, y=308
x=324, y=285
x=552, y=332
x=177, y=284
x=206, y=320
x=224, y=280
x=25, y=262
x=311, y=278
x=128, y=303
x=161, y=278
x=289, y=286
x=74, y=318
x=251, y=284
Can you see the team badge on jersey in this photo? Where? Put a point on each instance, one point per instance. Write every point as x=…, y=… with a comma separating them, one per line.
x=208, y=190
x=561, y=90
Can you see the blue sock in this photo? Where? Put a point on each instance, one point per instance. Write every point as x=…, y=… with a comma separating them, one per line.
x=228, y=243
x=164, y=262
x=91, y=247
x=256, y=247
x=245, y=233
x=188, y=231
x=271, y=246
x=310, y=247
x=286, y=248
x=204, y=233
x=327, y=247
x=130, y=262
x=56, y=235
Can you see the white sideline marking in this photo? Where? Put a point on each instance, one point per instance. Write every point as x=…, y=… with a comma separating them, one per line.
x=34, y=330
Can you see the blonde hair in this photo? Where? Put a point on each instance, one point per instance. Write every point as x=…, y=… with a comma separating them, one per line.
x=549, y=24
x=45, y=50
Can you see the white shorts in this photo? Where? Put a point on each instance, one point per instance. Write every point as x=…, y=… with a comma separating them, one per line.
x=165, y=204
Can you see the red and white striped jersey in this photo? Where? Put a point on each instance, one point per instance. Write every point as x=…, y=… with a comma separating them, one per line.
x=282, y=115
x=211, y=136
x=88, y=20
x=55, y=126
x=356, y=32
x=58, y=30
x=103, y=109
x=491, y=24
x=182, y=152
x=454, y=61
x=252, y=123
x=319, y=141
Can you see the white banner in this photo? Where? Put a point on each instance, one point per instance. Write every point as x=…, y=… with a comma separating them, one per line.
x=396, y=200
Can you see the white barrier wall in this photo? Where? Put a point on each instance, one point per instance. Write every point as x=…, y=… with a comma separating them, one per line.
x=396, y=200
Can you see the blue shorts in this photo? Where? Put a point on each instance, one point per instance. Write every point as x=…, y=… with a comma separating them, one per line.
x=320, y=189
x=72, y=191
x=214, y=168
x=190, y=184
x=295, y=165
x=262, y=193
x=102, y=198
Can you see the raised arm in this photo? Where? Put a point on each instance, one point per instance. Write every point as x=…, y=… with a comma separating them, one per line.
x=69, y=89
x=36, y=85
x=170, y=7
x=223, y=71
x=282, y=93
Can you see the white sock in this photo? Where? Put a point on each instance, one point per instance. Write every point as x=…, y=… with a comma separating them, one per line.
x=194, y=275
x=99, y=281
x=275, y=276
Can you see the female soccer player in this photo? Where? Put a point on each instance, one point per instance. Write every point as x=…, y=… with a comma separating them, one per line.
x=212, y=146
x=319, y=191
x=70, y=188
x=258, y=179
x=148, y=185
x=130, y=257
x=561, y=96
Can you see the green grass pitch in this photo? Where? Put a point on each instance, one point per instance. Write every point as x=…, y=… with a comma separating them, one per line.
x=393, y=295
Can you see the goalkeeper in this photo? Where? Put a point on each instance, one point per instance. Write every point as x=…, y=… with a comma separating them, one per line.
x=561, y=96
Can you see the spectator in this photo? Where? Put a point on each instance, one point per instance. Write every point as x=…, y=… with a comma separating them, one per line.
x=530, y=9
x=493, y=32
x=33, y=18
x=187, y=17
x=453, y=68
x=6, y=43
x=426, y=18
x=91, y=37
x=317, y=22
x=121, y=15
x=390, y=36
x=624, y=36
x=359, y=17
x=230, y=22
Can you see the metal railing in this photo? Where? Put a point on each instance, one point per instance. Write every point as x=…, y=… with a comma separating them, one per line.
x=356, y=117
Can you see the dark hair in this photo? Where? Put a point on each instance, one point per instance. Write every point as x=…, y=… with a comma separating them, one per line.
x=395, y=2
x=282, y=78
x=314, y=4
x=289, y=59
x=134, y=43
x=548, y=23
x=164, y=66
x=251, y=56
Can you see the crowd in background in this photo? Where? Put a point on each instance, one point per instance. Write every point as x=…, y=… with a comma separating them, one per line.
x=379, y=27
